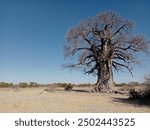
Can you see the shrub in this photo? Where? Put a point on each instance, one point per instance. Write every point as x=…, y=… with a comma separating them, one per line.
x=33, y=84
x=135, y=94
x=120, y=85
x=132, y=84
x=85, y=85
x=142, y=96
x=23, y=85
x=68, y=88
x=5, y=85
x=63, y=85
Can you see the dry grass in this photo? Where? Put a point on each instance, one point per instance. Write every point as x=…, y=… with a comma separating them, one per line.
x=38, y=100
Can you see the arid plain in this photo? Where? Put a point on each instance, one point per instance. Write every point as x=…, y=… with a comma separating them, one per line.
x=59, y=101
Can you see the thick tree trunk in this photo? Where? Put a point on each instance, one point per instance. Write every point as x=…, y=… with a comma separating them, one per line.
x=105, y=82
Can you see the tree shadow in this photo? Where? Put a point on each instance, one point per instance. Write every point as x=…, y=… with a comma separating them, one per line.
x=131, y=101
x=80, y=91
x=63, y=90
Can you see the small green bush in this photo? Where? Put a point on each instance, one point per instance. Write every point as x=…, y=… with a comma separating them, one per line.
x=33, y=84
x=63, y=85
x=23, y=85
x=5, y=85
x=85, y=85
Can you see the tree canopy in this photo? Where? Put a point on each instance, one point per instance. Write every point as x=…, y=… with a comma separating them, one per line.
x=102, y=43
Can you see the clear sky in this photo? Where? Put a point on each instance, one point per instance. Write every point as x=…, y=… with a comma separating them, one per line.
x=32, y=36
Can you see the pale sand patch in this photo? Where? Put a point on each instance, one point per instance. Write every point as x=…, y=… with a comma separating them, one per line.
x=37, y=100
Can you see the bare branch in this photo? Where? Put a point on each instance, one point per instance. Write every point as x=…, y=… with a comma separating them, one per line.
x=102, y=42
x=123, y=65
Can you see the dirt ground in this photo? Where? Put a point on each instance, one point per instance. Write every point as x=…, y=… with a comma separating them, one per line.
x=37, y=100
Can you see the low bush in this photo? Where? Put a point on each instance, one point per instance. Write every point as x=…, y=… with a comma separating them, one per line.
x=85, y=85
x=68, y=88
x=63, y=85
x=142, y=96
x=5, y=85
x=23, y=85
x=26, y=85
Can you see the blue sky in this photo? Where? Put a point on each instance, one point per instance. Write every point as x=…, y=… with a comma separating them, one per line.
x=32, y=36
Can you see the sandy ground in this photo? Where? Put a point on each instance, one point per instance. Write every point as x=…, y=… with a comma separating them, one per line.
x=37, y=100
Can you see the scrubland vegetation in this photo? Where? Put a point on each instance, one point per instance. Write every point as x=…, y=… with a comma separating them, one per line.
x=141, y=96
x=121, y=86
x=67, y=97
x=34, y=84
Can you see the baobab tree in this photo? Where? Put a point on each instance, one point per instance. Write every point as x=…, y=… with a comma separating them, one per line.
x=102, y=43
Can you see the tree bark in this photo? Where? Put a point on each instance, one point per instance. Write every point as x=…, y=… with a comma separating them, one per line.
x=105, y=82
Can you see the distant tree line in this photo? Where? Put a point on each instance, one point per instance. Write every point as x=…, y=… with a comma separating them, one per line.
x=63, y=85
x=5, y=85
x=31, y=84
x=20, y=85
x=130, y=84
x=34, y=84
x=75, y=85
